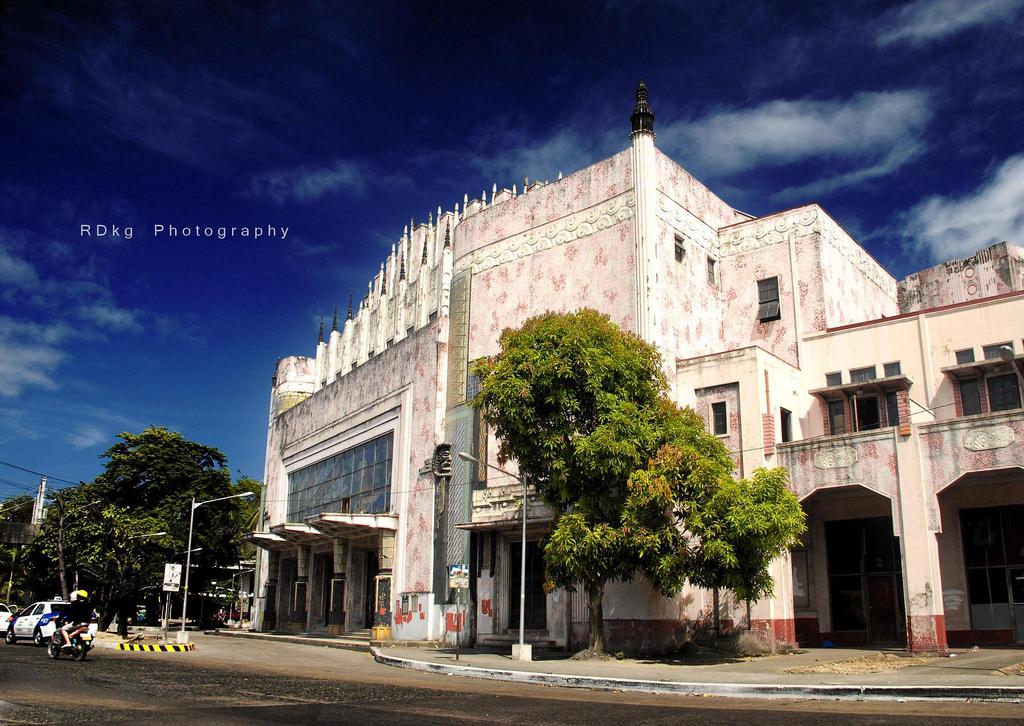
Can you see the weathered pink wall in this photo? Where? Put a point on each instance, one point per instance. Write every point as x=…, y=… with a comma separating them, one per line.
x=992, y=271
x=412, y=361
x=948, y=458
x=677, y=183
x=733, y=440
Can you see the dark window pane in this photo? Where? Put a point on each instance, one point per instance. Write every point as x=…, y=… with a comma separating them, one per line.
x=837, y=417
x=833, y=379
x=862, y=375
x=981, y=535
x=892, y=369
x=327, y=485
x=970, y=397
x=965, y=356
x=711, y=271
x=977, y=583
x=881, y=549
x=892, y=408
x=721, y=422
x=1013, y=535
x=786, y=419
x=1003, y=393
x=991, y=352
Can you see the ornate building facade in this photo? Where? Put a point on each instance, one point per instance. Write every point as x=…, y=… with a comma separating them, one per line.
x=895, y=406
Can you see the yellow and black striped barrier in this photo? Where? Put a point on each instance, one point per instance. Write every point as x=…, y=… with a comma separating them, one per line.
x=169, y=648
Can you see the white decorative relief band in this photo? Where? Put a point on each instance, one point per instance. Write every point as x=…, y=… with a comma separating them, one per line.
x=990, y=437
x=803, y=222
x=567, y=229
x=838, y=458
x=682, y=220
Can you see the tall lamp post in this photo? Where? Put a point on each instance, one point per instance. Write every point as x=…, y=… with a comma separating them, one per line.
x=183, y=635
x=521, y=651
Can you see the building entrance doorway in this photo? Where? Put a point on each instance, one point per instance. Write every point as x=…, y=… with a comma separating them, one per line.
x=865, y=580
x=994, y=556
x=536, y=617
x=372, y=570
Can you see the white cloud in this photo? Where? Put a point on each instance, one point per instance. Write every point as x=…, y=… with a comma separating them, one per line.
x=29, y=355
x=15, y=271
x=87, y=436
x=869, y=127
x=927, y=20
x=307, y=183
x=954, y=227
x=109, y=316
x=896, y=158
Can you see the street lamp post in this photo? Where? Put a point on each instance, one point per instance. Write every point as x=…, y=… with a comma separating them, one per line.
x=521, y=651
x=183, y=635
x=1006, y=355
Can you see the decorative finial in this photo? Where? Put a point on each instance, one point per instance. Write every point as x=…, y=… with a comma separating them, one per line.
x=383, y=282
x=430, y=220
x=642, y=118
x=348, y=315
x=334, y=323
x=401, y=267
x=423, y=259
x=320, y=335
x=559, y=176
x=448, y=235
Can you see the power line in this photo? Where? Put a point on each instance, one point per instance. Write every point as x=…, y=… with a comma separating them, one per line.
x=39, y=473
x=8, y=482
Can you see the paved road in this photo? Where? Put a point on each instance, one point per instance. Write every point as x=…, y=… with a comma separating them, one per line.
x=242, y=681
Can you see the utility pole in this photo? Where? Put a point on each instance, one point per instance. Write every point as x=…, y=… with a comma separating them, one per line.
x=61, y=512
x=39, y=510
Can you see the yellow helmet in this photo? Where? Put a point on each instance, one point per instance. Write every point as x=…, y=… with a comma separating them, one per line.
x=82, y=594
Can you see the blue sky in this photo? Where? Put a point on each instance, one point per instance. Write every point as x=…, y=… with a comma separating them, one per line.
x=343, y=121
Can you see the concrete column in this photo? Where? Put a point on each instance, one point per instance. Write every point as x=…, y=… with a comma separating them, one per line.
x=644, y=230
x=922, y=582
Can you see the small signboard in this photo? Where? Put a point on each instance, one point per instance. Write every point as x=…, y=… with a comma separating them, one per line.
x=458, y=577
x=172, y=577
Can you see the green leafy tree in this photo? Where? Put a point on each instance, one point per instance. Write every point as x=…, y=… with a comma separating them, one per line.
x=639, y=484
x=147, y=486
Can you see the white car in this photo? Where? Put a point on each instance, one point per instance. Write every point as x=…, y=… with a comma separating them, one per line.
x=6, y=615
x=26, y=623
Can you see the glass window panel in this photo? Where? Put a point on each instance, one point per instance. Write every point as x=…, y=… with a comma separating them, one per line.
x=991, y=352
x=843, y=543
x=836, y=417
x=833, y=379
x=970, y=397
x=862, y=375
x=892, y=408
x=880, y=549
x=1003, y=393
x=965, y=356
x=977, y=583
x=1013, y=536
x=982, y=543
x=892, y=369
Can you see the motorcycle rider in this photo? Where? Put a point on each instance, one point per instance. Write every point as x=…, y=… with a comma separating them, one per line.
x=76, y=617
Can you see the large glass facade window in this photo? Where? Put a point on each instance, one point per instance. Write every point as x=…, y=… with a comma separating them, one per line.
x=357, y=480
x=994, y=555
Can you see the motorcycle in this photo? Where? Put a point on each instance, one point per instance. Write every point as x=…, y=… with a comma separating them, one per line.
x=81, y=642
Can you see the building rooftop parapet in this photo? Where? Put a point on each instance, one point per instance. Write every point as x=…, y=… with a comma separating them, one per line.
x=831, y=441
x=968, y=422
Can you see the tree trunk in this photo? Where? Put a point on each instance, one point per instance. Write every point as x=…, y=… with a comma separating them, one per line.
x=749, y=624
x=125, y=610
x=10, y=579
x=595, y=641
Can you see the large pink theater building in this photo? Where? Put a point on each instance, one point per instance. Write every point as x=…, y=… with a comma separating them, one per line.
x=894, y=404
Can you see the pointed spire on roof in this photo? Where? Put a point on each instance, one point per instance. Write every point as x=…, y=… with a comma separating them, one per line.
x=320, y=335
x=448, y=235
x=383, y=281
x=334, y=323
x=401, y=267
x=423, y=259
x=348, y=315
x=642, y=118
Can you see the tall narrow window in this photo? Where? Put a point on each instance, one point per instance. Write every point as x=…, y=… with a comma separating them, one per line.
x=1003, y=392
x=720, y=420
x=680, y=249
x=836, y=417
x=768, y=299
x=786, y=424
x=892, y=408
x=970, y=397
x=712, y=274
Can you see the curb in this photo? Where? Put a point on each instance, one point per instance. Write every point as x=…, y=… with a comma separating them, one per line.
x=317, y=642
x=732, y=690
x=170, y=648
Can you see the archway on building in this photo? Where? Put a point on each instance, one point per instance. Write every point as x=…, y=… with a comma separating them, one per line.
x=853, y=580
x=981, y=557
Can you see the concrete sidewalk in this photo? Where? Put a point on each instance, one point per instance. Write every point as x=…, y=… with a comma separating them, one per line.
x=970, y=675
